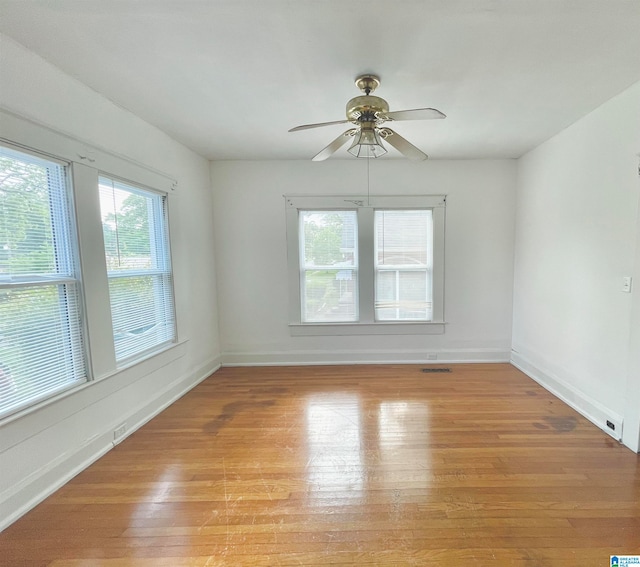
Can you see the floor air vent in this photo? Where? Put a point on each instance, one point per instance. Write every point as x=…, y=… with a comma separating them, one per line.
x=436, y=370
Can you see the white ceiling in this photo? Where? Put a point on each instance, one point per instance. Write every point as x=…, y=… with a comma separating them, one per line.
x=228, y=78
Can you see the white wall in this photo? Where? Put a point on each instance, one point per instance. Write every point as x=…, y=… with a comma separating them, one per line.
x=631, y=436
x=252, y=264
x=42, y=449
x=576, y=232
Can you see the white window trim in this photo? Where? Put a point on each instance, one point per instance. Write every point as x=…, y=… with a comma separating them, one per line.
x=365, y=207
x=28, y=135
x=162, y=240
x=66, y=248
x=85, y=163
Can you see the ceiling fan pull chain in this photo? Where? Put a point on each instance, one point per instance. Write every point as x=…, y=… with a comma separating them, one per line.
x=368, y=183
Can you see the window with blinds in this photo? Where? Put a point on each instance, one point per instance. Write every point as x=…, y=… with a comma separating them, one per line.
x=41, y=338
x=403, y=265
x=134, y=222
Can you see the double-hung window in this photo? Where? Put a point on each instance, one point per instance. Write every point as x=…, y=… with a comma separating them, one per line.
x=361, y=265
x=41, y=339
x=329, y=266
x=85, y=273
x=403, y=264
x=134, y=223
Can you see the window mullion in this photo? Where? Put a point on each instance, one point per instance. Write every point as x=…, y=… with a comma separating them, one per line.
x=94, y=270
x=366, y=257
x=437, y=266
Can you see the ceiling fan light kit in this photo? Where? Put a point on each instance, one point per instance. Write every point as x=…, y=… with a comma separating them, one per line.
x=368, y=113
x=367, y=142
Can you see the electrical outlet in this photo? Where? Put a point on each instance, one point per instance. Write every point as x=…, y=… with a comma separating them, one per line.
x=119, y=432
x=611, y=425
x=432, y=356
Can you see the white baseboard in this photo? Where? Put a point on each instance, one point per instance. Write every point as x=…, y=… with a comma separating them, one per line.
x=18, y=500
x=594, y=411
x=316, y=357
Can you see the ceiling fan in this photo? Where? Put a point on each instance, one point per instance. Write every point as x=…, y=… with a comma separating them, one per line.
x=369, y=114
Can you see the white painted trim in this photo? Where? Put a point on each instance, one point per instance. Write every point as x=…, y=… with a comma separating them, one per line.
x=594, y=411
x=365, y=207
x=19, y=499
x=29, y=132
x=380, y=328
x=58, y=407
x=304, y=358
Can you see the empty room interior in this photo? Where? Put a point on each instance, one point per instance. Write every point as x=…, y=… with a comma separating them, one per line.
x=319, y=283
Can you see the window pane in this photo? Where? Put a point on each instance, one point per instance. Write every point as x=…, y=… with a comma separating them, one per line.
x=128, y=221
x=329, y=238
x=33, y=198
x=402, y=237
x=138, y=266
x=41, y=344
x=403, y=264
x=386, y=295
x=411, y=295
x=328, y=250
x=150, y=323
x=38, y=347
x=329, y=296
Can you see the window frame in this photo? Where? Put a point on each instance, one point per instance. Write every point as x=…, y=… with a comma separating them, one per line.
x=160, y=250
x=85, y=163
x=365, y=207
x=306, y=266
x=399, y=269
x=68, y=281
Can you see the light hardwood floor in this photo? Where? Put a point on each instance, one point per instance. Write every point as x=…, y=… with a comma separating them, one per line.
x=347, y=465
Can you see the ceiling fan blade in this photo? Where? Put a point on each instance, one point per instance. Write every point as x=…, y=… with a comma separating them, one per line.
x=308, y=126
x=403, y=146
x=415, y=114
x=340, y=141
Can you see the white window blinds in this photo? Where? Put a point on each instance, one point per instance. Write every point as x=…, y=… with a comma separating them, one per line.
x=403, y=265
x=134, y=223
x=41, y=341
x=329, y=266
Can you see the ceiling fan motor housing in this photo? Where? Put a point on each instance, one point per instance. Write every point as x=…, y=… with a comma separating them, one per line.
x=366, y=107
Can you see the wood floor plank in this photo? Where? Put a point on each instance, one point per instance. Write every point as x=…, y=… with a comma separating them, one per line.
x=347, y=465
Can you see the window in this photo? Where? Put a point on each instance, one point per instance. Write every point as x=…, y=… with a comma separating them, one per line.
x=357, y=268
x=85, y=273
x=329, y=266
x=41, y=339
x=403, y=265
x=138, y=267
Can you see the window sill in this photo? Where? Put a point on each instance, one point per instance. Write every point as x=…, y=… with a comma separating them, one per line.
x=109, y=384
x=382, y=328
